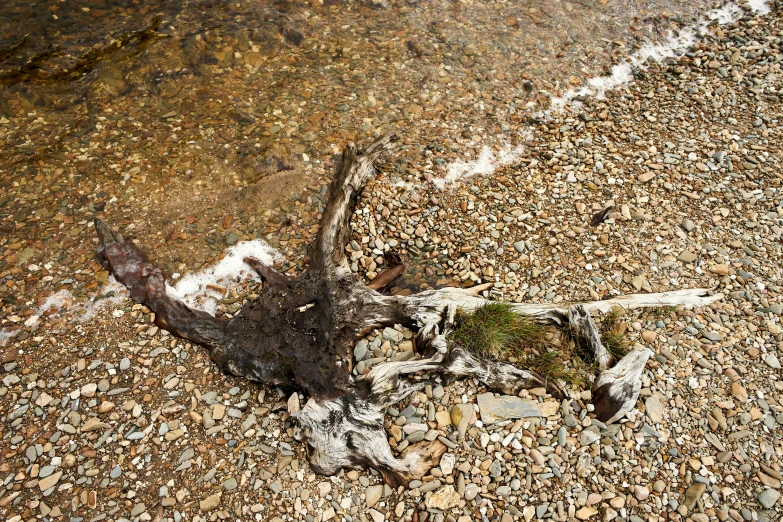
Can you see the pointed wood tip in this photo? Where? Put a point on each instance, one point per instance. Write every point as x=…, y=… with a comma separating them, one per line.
x=617, y=389
x=475, y=291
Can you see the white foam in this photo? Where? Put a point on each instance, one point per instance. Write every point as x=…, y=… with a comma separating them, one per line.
x=193, y=289
x=67, y=307
x=621, y=74
x=760, y=6
x=6, y=335
x=59, y=300
x=674, y=46
x=487, y=162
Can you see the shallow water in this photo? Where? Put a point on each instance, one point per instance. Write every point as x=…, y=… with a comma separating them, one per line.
x=187, y=118
x=294, y=76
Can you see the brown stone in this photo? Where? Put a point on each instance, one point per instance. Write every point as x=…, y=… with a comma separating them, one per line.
x=49, y=481
x=739, y=392
x=649, y=336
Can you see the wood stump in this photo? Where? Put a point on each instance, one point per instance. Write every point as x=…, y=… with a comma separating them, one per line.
x=300, y=332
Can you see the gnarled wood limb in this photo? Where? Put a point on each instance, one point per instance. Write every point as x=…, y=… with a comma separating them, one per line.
x=617, y=389
x=266, y=272
x=386, y=278
x=583, y=328
x=355, y=169
x=299, y=334
x=147, y=284
x=426, y=307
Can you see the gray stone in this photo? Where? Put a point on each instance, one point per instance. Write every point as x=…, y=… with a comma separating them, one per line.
x=32, y=455
x=46, y=471
x=10, y=380
x=768, y=498
x=471, y=491
x=494, y=409
x=772, y=361
x=588, y=437
x=138, y=509
x=390, y=334
x=360, y=350
x=713, y=336
x=561, y=436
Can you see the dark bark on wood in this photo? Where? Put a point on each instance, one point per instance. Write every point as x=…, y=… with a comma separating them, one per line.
x=299, y=333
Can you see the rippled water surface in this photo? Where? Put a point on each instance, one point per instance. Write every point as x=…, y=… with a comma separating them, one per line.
x=292, y=76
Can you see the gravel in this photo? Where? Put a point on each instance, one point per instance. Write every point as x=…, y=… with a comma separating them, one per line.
x=117, y=418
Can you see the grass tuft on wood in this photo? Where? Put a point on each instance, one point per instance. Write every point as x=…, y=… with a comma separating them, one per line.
x=612, y=331
x=494, y=330
x=550, y=366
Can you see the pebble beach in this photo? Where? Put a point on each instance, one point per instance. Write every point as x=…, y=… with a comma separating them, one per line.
x=107, y=417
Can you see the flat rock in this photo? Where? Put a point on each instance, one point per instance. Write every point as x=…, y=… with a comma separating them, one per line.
x=447, y=463
x=584, y=513
x=693, y=494
x=460, y=417
x=739, y=392
x=548, y=408
x=444, y=499
x=43, y=400
x=654, y=408
x=211, y=502
x=372, y=495
x=218, y=411
x=49, y=481
x=392, y=335
x=494, y=409
x=768, y=498
x=443, y=418
x=687, y=257
x=93, y=424
x=88, y=390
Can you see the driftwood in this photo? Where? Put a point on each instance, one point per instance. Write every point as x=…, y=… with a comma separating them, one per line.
x=299, y=333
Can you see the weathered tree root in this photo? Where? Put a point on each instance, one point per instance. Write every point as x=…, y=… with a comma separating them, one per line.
x=300, y=332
